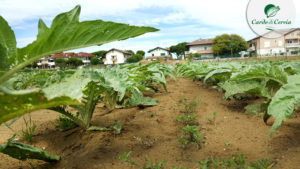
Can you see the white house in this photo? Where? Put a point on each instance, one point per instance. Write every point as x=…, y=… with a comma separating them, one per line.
x=46, y=63
x=116, y=56
x=202, y=47
x=159, y=53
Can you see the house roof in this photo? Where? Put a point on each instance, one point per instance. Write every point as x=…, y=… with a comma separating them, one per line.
x=200, y=42
x=167, y=49
x=281, y=31
x=119, y=50
x=72, y=54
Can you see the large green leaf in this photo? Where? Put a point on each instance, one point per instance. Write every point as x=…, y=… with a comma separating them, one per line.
x=23, y=151
x=137, y=99
x=67, y=33
x=8, y=48
x=264, y=72
x=244, y=87
x=284, y=101
x=14, y=104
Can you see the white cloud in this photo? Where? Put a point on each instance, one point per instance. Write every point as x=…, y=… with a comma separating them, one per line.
x=205, y=18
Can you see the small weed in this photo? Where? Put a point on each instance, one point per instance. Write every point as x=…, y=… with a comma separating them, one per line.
x=189, y=108
x=187, y=119
x=151, y=165
x=174, y=107
x=124, y=158
x=227, y=144
x=146, y=143
x=237, y=161
x=151, y=114
x=27, y=134
x=192, y=135
x=212, y=119
x=65, y=123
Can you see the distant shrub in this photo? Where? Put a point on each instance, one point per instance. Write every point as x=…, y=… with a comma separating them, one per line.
x=96, y=61
x=134, y=58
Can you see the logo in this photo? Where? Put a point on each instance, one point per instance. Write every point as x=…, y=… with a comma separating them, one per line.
x=271, y=10
x=269, y=18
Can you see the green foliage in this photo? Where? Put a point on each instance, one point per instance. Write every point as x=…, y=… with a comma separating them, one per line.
x=100, y=53
x=65, y=123
x=212, y=118
x=73, y=62
x=179, y=49
x=134, y=58
x=67, y=33
x=60, y=62
x=228, y=44
x=192, y=135
x=187, y=119
x=23, y=151
x=28, y=132
x=237, y=161
x=274, y=81
x=150, y=165
x=95, y=61
x=189, y=107
x=140, y=52
x=124, y=158
x=130, y=51
x=284, y=101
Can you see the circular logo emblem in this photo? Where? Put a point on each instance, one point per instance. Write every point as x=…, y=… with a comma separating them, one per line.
x=269, y=18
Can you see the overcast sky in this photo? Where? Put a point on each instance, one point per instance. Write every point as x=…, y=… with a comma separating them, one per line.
x=178, y=20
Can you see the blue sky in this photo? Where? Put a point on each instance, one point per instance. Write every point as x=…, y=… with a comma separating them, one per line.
x=178, y=20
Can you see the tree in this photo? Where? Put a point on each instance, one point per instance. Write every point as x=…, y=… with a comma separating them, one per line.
x=60, y=62
x=100, y=53
x=130, y=51
x=140, y=52
x=96, y=61
x=134, y=58
x=74, y=62
x=228, y=44
x=179, y=49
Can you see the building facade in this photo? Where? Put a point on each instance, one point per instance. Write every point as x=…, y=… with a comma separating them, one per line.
x=116, y=56
x=202, y=47
x=159, y=53
x=287, y=44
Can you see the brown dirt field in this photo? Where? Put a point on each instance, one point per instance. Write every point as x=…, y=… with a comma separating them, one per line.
x=245, y=134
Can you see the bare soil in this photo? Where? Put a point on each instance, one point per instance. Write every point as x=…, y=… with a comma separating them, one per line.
x=158, y=132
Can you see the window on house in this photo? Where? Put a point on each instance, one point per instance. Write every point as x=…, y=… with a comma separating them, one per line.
x=205, y=48
x=289, y=41
x=152, y=54
x=163, y=54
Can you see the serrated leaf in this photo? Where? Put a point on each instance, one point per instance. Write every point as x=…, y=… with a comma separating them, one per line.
x=244, y=87
x=284, y=101
x=23, y=151
x=67, y=33
x=19, y=103
x=216, y=72
x=8, y=48
x=137, y=99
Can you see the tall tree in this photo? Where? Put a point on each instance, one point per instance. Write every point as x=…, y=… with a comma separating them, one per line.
x=100, y=53
x=228, y=44
x=130, y=51
x=140, y=52
x=179, y=49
